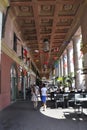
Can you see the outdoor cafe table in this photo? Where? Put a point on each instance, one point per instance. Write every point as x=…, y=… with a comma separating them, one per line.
x=81, y=100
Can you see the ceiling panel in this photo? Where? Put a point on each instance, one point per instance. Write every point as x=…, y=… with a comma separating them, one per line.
x=45, y=20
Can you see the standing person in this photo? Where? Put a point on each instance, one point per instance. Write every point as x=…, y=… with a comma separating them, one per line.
x=43, y=96
x=37, y=90
x=34, y=97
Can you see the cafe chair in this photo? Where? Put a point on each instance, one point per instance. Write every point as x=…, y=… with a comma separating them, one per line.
x=78, y=105
x=71, y=99
x=59, y=100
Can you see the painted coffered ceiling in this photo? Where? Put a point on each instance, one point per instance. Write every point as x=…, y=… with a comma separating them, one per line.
x=51, y=21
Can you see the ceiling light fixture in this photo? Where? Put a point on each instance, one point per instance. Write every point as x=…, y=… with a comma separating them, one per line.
x=46, y=45
x=36, y=51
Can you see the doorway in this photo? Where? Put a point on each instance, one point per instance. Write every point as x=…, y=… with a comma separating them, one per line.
x=13, y=91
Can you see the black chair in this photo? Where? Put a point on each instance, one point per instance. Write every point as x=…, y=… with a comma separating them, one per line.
x=71, y=99
x=59, y=99
x=78, y=105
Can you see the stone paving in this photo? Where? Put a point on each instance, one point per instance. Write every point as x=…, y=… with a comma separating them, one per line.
x=22, y=116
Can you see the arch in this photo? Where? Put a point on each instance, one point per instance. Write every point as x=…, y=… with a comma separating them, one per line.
x=14, y=82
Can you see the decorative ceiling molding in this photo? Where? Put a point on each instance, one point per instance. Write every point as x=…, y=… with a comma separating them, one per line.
x=55, y=20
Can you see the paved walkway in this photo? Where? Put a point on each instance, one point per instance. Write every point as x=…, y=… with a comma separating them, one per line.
x=22, y=116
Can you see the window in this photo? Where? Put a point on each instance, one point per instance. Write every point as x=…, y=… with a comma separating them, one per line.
x=15, y=43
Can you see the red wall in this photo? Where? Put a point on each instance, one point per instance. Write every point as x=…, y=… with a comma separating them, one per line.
x=6, y=63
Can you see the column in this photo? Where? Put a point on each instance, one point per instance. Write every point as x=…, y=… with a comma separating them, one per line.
x=56, y=69
x=61, y=65
x=59, y=68
x=68, y=60
x=65, y=64
x=77, y=62
x=70, y=64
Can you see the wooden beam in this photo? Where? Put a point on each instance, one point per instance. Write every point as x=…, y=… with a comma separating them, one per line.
x=75, y=25
x=76, y=22
x=17, y=3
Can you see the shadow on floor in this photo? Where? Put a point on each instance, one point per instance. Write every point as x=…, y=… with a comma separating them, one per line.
x=22, y=116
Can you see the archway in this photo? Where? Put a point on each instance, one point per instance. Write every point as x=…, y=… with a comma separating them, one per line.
x=13, y=74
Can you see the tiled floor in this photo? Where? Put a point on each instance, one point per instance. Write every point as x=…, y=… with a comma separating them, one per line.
x=22, y=116
x=66, y=113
